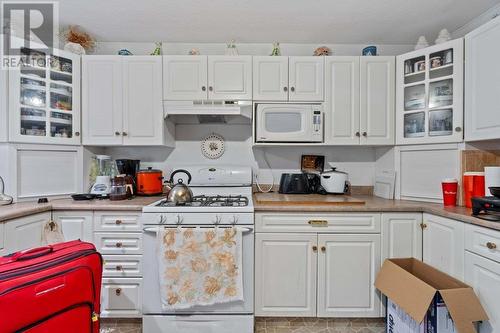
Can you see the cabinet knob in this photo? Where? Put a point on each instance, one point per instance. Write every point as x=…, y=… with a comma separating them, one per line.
x=124, y=134
x=423, y=226
x=315, y=248
x=458, y=129
x=118, y=222
x=210, y=88
x=365, y=134
x=203, y=88
x=358, y=134
x=285, y=89
x=491, y=245
x=118, y=291
x=119, y=244
x=323, y=249
x=292, y=89
x=119, y=268
x=77, y=133
x=117, y=133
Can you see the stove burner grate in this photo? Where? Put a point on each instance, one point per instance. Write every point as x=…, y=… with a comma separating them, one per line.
x=211, y=201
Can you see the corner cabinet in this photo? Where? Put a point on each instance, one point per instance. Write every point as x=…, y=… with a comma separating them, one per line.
x=429, y=94
x=482, y=82
x=294, y=79
x=44, y=98
x=122, y=101
x=359, y=100
x=207, y=77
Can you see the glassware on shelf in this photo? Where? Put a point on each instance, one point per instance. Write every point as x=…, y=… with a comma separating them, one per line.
x=33, y=96
x=61, y=125
x=414, y=125
x=61, y=97
x=33, y=122
x=441, y=93
x=441, y=122
x=414, y=98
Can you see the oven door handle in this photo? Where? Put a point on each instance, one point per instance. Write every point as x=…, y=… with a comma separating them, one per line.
x=244, y=230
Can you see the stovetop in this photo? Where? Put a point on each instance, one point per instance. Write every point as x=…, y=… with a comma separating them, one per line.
x=486, y=208
x=210, y=201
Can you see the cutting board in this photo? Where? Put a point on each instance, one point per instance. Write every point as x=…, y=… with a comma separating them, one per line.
x=305, y=199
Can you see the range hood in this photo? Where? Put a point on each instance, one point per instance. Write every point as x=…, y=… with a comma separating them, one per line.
x=208, y=112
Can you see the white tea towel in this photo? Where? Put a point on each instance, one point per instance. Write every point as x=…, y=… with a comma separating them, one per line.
x=199, y=266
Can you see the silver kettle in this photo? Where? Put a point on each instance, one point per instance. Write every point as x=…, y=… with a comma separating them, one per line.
x=4, y=198
x=180, y=193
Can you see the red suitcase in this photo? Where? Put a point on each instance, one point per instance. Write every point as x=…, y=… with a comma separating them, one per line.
x=55, y=288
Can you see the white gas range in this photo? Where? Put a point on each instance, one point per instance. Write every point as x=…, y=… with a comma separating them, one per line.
x=223, y=198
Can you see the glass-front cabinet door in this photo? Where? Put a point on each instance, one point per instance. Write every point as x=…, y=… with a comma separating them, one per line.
x=44, y=98
x=430, y=95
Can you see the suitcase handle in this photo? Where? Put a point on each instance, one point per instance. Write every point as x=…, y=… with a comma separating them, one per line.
x=32, y=253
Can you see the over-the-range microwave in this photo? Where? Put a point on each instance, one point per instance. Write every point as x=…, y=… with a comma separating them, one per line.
x=288, y=122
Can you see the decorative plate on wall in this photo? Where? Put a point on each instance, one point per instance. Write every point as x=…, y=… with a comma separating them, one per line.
x=212, y=146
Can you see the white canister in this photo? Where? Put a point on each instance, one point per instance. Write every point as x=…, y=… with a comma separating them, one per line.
x=491, y=178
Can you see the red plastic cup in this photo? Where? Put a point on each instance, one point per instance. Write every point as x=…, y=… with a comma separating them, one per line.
x=450, y=187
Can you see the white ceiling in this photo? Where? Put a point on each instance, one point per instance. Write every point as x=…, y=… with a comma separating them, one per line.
x=287, y=21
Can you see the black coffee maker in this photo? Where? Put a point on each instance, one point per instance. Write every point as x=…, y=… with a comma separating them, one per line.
x=129, y=168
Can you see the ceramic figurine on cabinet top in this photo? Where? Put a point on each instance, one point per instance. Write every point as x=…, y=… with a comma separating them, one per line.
x=322, y=51
x=231, y=49
x=421, y=43
x=369, y=51
x=194, y=52
x=276, y=49
x=443, y=36
x=157, y=50
x=124, y=52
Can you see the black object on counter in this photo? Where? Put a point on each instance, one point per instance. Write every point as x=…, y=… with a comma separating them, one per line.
x=83, y=196
x=299, y=183
x=42, y=200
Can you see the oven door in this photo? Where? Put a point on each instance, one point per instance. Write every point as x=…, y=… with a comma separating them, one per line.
x=151, y=283
x=288, y=123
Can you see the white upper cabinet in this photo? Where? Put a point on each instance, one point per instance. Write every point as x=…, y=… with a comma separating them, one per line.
x=429, y=98
x=230, y=77
x=482, y=82
x=185, y=78
x=306, y=76
x=122, y=100
x=377, y=85
x=44, y=98
x=102, y=100
x=270, y=78
x=443, y=245
x=143, y=107
x=342, y=100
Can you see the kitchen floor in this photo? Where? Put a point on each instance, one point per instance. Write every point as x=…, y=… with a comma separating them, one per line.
x=274, y=325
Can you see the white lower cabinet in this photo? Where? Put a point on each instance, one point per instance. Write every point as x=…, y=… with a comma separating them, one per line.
x=285, y=274
x=401, y=235
x=347, y=267
x=74, y=224
x=443, y=244
x=121, y=297
x=484, y=276
x=312, y=265
x=26, y=232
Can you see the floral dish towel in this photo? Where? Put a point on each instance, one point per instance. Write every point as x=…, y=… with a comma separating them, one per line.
x=199, y=266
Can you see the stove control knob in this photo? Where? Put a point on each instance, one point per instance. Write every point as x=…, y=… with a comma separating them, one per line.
x=218, y=219
x=178, y=219
x=235, y=219
x=161, y=219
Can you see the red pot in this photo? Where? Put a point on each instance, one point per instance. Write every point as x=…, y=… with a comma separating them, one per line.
x=149, y=182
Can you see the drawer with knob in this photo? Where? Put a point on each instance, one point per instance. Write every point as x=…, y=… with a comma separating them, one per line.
x=121, y=297
x=118, y=243
x=122, y=266
x=117, y=221
x=483, y=241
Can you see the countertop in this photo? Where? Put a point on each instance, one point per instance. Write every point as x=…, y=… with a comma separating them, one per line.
x=372, y=204
x=376, y=204
x=28, y=208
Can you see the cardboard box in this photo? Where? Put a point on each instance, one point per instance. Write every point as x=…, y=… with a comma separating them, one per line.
x=398, y=321
x=414, y=286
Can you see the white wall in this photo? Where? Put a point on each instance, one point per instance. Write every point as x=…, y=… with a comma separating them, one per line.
x=247, y=49
x=359, y=162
